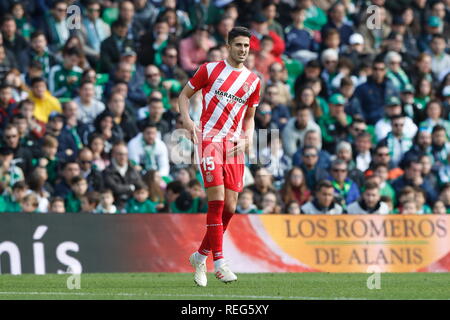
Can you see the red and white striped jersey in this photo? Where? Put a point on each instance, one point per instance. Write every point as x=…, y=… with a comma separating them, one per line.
x=227, y=93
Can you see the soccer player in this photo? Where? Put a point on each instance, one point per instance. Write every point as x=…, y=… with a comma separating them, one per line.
x=230, y=96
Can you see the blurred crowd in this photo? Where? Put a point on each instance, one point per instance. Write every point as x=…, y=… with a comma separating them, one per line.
x=355, y=100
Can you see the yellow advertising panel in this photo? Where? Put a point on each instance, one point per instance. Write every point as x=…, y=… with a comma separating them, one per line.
x=355, y=243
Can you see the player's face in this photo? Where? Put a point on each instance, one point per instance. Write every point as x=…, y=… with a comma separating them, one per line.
x=239, y=48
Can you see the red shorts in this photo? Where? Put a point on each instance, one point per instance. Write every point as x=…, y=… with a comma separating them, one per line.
x=218, y=169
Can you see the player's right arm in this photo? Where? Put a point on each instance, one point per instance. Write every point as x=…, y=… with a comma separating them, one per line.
x=183, y=102
x=198, y=81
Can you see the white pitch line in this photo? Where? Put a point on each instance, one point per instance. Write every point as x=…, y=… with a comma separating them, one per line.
x=178, y=295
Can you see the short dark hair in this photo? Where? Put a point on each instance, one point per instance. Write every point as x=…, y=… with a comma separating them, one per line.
x=237, y=32
x=437, y=128
x=119, y=23
x=20, y=185
x=371, y=185
x=36, y=80
x=93, y=197
x=37, y=33
x=175, y=187
x=323, y=184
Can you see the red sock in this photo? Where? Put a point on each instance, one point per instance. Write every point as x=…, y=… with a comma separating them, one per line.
x=214, y=230
x=205, y=247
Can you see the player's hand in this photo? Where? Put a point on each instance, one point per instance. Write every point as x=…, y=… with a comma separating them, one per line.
x=239, y=148
x=192, y=128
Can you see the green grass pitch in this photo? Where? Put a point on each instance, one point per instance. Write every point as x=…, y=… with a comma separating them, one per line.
x=267, y=286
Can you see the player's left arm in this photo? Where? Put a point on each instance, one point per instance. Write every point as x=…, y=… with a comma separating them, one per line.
x=249, y=128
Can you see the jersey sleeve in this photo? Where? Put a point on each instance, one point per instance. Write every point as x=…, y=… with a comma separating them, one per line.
x=200, y=78
x=253, y=100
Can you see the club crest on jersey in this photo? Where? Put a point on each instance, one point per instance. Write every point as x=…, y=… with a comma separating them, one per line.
x=245, y=87
x=209, y=177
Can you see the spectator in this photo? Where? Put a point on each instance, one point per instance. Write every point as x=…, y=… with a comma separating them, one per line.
x=65, y=78
x=97, y=145
x=39, y=51
x=433, y=26
x=29, y=203
x=370, y=202
x=346, y=190
x=259, y=28
x=22, y=155
x=262, y=185
x=10, y=173
x=79, y=188
x=336, y=20
x=296, y=128
x=13, y=41
x=323, y=202
x=313, y=139
x=386, y=189
x=88, y=106
x=193, y=50
x=421, y=145
x=384, y=125
x=67, y=146
x=111, y=132
x=440, y=60
x=112, y=47
x=156, y=187
x=69, y=170
x=397, y=143
x=295, y=188
x=381, y=155
x=309, y=165
x=169, y=66
x=140, y=203
x=7, y=61
x=153, y=113
x=434, y=113
x=413, y=177
x=334, y=126
x=429, y=176
x=440, y=147
x=93, y=30
x=90, y=201
x=372, y=94
x=439, y=207
x=93, y=176
x=245, y=203
x=409, y=207
x=225, y=24
x=300, y=44
x=270, y=203
x=280, y=112
x=37, y=182
x=154, y=82
x=43, y=100
x=122, y=117
x=106, y=204
x=277, y=72
x=264, y=58
x=120, y=176
x=395, y=72
x=57, y=205
x=55, y=27
x=148, y=151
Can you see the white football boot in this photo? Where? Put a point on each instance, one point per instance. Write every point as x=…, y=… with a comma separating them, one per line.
x=223, y=273
x=200, y=270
